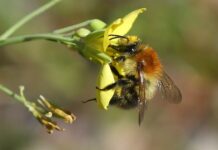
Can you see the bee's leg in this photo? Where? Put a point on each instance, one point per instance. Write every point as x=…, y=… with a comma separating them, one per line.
x=115, y=71
x=89, y=100
x=119, y=48
x=120, y=82
x=108, y=87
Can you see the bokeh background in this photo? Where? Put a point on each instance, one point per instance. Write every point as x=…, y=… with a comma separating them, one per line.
x=184, y=33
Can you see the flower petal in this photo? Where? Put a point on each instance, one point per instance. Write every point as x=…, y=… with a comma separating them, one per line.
x=105, y=78
x=121, y=26
x=91, y=47
x=95, y=39
x=95, y=55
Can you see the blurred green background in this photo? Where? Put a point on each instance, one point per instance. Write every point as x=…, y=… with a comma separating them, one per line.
x=183, y=32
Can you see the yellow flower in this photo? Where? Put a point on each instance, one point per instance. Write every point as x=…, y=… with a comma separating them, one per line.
x=93, y=47
x=120, y=26
x=97, y=42
x=105, y=78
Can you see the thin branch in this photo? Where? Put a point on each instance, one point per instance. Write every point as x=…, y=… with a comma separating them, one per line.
x=44, y=111
x=46, y=36
x=10, y=93
x=27, y=18
x=73, y=27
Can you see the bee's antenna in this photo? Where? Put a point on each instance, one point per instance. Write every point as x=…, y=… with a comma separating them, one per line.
x=89, y=100
x=115, y=36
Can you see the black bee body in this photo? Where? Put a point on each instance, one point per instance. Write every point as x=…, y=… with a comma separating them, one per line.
x=126, y=95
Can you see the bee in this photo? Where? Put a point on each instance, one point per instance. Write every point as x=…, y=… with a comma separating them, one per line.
x=139, y=75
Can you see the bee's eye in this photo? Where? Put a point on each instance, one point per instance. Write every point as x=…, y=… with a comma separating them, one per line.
x=126, y=48
x=132, y=48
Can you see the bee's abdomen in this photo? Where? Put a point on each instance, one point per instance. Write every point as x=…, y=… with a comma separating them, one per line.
x=127, y=99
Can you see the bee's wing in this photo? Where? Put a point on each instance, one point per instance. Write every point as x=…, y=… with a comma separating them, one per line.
x=169, y=90
x=141, y=99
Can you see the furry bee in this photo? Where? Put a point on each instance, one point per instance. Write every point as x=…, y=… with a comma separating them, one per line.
x=139, y=74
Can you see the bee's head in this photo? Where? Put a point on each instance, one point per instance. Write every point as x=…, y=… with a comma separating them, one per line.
x=126, y=44
x=131, y=48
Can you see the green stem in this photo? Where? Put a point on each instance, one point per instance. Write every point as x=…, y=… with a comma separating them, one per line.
x=27, y=18
x=73, y=27
x=11, y=93
x=46, y=36
x=15, y=96
x=32, y=107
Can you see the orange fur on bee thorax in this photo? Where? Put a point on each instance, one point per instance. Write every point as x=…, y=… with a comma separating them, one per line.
x=152, y=65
